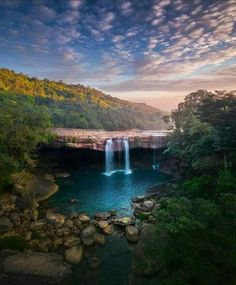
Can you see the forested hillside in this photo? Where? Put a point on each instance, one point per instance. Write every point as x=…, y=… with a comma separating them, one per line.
x=195, y=238
x=78, y=106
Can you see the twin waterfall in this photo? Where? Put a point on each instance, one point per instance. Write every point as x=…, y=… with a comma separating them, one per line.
x=122, y=145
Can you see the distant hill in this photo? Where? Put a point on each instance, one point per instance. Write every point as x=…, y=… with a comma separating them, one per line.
x=77, y=106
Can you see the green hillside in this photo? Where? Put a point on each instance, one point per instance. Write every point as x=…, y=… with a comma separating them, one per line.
x=77, y=106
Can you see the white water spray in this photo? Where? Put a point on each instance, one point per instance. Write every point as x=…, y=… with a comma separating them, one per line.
x=127, y=161
x=109, y=157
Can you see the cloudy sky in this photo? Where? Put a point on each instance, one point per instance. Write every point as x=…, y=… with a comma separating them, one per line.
x=152, y=51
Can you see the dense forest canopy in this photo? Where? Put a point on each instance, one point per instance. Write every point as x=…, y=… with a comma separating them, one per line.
x=195, y=239
x=76, y=106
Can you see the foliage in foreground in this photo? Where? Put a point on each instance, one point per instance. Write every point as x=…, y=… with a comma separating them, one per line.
x=195, y=241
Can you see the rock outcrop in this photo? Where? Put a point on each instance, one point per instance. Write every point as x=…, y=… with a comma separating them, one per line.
x=33, y=268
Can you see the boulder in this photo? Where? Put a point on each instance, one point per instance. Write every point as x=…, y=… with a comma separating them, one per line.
x=74, y=254
x=108, y=230
x=103, y=215
x=74, y=201
x=94, y=262
x=99, y=239
x=39, y=224
x=63, y=231
x=41, y=268
x=149, y=204
x=102, y=224
x=142, y=263
x=5, y=224
x=72, y=241
x=28, y=236
x=83, y=218
x=55, y=219
x=62, y=175
x=132, y=233
x=15, y=217
x=77, y=223
x=138, y=199
x=69, y=224
x=125, y=221
x=33, y=187
x=87, y=235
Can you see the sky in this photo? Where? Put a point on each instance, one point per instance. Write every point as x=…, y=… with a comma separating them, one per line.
x=152, y=51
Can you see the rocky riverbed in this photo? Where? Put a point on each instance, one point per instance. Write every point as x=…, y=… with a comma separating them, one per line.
x=48, y=237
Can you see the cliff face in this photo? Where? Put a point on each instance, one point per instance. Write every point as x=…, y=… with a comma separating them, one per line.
x=96, y=139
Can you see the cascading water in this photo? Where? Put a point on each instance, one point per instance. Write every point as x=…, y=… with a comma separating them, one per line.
x=109, y=157
x=155, y=164
x=127, y=161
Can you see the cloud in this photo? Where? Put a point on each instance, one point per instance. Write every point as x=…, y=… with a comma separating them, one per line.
x=126, y=8
x=75, y=4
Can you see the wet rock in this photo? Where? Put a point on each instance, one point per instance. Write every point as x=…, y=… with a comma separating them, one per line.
x=31, y=213
x=74, y=201
x=33, y=187
x=87, y=235
x=84, y=218
x=15, y=217
x=74, y=254
x=28, y=236
x=138, y=199
x=108, y=229
x=125, y=221
x=94, y=262
x=78, y=223
x=63, y=231
x=5, y=224
x=40, y=266
x=149, y=204
x=105, y=227
x=103, y=215
x=57, y=242
x=55, y=219
x=132, y=233
x=69, y=223
x=39, y=224
x=62, y=175
x=72, y=241
x=99, y=239
x=102, y=224
x=142, y=214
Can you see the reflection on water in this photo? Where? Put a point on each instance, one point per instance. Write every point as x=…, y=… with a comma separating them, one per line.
x=98, y=192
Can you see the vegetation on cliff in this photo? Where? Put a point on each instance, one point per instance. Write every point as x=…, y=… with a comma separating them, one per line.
x=22, y=128
x=77, y=106
x=195, y=240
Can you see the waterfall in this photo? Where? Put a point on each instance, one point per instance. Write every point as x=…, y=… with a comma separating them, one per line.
x=127, y=162
x=156, y=140
x=109, y=157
